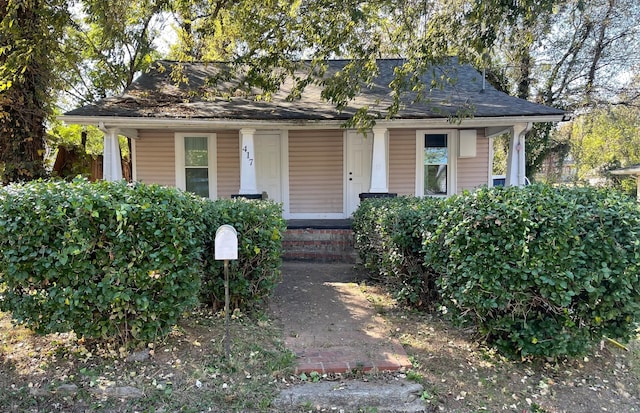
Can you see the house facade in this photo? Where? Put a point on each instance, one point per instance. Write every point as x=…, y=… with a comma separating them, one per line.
x=297, y=152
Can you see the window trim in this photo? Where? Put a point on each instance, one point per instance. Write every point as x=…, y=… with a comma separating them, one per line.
x=212, y=157
x=452, y=164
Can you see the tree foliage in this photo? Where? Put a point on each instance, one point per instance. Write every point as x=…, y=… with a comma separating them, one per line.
x=29, y=31
x=273, y=37
x=97, y=48
x=590, y=66
x=608, y=138
x=578, y=56
x=205, y=31
x=106, y=44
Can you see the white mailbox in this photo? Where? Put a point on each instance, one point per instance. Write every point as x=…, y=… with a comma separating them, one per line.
x=226, y=244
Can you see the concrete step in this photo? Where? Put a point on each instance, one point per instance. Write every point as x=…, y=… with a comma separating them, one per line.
x=397, y=396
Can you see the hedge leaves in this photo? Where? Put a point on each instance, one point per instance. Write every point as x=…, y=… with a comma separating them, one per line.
x=538, y=270
x=112, y=260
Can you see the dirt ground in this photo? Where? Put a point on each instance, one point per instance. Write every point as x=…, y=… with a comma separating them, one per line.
x=188, y=372
x=458, y=373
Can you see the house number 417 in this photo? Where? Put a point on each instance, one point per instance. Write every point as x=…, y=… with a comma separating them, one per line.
x=246, y=150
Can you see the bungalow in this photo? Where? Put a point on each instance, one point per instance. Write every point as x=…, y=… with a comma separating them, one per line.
x=199, y=138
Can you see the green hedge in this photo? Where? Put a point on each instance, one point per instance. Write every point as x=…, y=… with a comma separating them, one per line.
x=538, y=270
x=254, y=276
x=541, y=270
x=388, y=235
x=107, y=260
x=118, y=261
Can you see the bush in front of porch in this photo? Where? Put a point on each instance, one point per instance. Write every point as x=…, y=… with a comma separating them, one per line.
x=539, y=271
x=257, y=271
x=108, y=260
x=388, y=234
x=118, y=261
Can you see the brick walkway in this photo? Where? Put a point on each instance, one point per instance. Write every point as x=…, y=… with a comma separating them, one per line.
x=346, y=359
x=329, y=324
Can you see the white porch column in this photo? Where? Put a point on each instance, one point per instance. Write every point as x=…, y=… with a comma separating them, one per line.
x=248, y=183
x=516, y=159
x=111, y=161
x=379, y=181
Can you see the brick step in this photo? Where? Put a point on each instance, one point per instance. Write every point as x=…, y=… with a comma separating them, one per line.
x=321, y=245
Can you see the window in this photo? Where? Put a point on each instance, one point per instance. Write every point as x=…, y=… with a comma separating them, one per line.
x=195, y=164
x=436, y=160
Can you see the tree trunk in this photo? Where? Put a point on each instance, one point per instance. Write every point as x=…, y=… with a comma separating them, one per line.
x=23, y=113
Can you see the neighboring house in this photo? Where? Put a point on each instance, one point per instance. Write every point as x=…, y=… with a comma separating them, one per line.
x=633, y=170
x=297, y=152
x=555, y=172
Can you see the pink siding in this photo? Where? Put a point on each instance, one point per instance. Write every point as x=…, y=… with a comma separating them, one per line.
x=228, y=146
x=155, y=157
x=402, y=161
x=315, y=171
x=474, y=172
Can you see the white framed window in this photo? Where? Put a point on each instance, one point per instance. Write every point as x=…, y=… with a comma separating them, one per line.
x=436, y=162
x=196, y=163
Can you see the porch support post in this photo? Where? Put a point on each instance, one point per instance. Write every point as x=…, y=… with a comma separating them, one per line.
x=379, y=181
x=111, y=159
x=516, y=159
x=248, y=183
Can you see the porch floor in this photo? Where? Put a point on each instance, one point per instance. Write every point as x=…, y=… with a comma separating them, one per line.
x=319, y=224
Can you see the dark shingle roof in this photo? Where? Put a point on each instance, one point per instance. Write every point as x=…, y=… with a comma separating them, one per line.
x=156, y=95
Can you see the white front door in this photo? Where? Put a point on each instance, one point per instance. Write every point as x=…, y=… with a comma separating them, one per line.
x=357, y=168
x=268, y=164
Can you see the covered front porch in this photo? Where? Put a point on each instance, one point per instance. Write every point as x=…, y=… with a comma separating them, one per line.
x=322, y=173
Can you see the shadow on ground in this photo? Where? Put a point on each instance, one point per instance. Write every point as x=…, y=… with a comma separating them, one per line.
x=328, y=322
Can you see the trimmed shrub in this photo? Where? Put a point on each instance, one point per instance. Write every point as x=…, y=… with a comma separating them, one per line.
x=107, y=260
x=539, y=270
x=371, y=226
x=255, y=274
x=388, y=235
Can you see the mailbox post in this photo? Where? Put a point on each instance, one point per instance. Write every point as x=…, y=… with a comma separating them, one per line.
x=226, y=248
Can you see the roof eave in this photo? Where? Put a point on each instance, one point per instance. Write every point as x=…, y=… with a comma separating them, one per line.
x=632, y=170
x=115, y=122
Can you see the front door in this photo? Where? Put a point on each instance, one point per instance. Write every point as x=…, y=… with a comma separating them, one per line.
x=268, y=164
x=357, y=168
